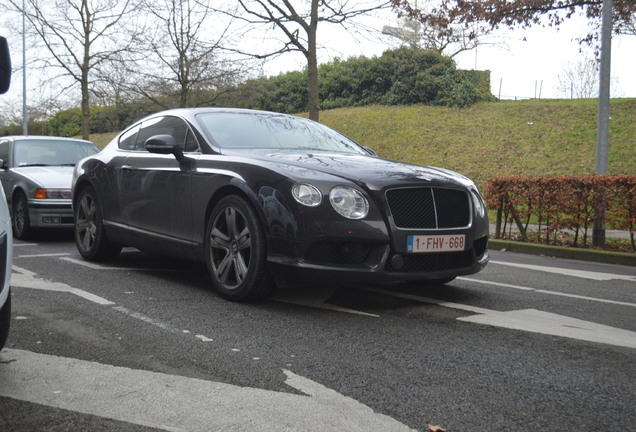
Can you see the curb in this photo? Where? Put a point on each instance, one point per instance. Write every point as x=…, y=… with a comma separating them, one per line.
x=621, y=258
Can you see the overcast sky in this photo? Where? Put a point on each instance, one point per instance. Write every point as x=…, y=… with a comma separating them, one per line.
x=524, y=64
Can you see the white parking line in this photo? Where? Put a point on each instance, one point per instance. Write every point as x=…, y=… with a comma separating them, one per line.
x=570, y=272
x=532, y=320
x=178, y=403
x=94, y=266
x=43, y=255
x=26, y=279
x=541, y=291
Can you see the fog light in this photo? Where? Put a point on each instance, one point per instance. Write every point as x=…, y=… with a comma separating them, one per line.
x=51, y=219
x=397, y=262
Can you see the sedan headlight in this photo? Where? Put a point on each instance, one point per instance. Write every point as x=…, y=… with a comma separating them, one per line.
x=349, y=202
x=307, y=194
x=53, y=194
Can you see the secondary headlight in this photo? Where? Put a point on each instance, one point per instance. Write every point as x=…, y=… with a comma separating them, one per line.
x=478, y=202
x=307, y=194
x=349, y=202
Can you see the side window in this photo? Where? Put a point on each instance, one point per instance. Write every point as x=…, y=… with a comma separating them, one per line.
x=168, y=125
x=191, y=143
x=127, y=141
x=4, y=153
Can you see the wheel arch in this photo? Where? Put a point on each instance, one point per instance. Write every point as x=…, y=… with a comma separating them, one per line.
x=235, y=187
x=78, y=187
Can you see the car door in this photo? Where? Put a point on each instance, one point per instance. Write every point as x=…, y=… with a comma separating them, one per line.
x=155, y=196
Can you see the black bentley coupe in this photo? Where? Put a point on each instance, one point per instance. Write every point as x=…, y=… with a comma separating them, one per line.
x=262, y=197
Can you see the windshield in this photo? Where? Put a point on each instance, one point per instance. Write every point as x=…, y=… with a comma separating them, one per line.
x=271, y=131
x=51, y=152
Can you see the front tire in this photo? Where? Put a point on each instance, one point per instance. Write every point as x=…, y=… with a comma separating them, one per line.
x=21, y=219
x=236, y=251
x=90, y=235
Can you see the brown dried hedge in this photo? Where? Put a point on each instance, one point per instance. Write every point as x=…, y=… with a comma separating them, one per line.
x=556, y=204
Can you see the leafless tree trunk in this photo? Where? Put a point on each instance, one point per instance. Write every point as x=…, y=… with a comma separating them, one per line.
x=79, y=36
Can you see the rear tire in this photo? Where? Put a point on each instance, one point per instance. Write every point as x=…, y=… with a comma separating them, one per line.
x=236, y=253
x=90, y=236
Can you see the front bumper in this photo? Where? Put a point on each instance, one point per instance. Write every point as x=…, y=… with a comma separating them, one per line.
x=51, y=213
x=349, y=262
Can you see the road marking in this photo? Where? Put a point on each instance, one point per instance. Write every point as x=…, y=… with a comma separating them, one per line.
x=519, y=287
x=532, y=320
x=570, y=272
x=26, y=279
x=541, y=291
x=43, y=255
x=177, y=403
x=94, y=266
x=535, y=321
x=146, y=319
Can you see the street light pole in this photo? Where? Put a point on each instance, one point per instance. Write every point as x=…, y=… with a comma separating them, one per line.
x=25, y=114
x=602, y=133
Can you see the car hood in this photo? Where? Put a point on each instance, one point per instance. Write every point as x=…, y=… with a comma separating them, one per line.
x=51, y=177
x=373, y=172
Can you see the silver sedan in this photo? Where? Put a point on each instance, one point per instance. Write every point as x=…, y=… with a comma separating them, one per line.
x=36, y=173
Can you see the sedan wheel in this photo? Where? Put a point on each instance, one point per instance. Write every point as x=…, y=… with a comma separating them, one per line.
x=236, y=251
x=90, y=236
x=21, y=220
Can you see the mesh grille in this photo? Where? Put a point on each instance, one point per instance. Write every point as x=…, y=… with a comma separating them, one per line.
x=342, y=253
x=429, y=208
x=419, y=263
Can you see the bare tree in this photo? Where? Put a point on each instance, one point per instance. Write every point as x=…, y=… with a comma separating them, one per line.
x=449, y=40
x=579, y=80
x=513, y=13
x=181, y=54
x=298, y=23
x=79, y=36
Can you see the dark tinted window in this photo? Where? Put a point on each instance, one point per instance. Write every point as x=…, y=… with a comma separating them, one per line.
x=127, y=141
x=173, y=126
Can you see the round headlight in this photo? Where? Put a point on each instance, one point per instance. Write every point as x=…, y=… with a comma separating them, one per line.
x=307, y=194
x=349, y=202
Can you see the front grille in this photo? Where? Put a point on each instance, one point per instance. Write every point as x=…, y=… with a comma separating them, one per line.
x=429, y=208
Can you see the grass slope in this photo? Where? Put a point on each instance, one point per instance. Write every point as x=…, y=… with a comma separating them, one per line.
x=527, y=138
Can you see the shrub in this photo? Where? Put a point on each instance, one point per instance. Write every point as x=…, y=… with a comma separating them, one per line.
x=563, y=203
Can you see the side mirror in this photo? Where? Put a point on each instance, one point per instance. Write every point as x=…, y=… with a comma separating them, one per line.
x=164, y=144
x=5, y=66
